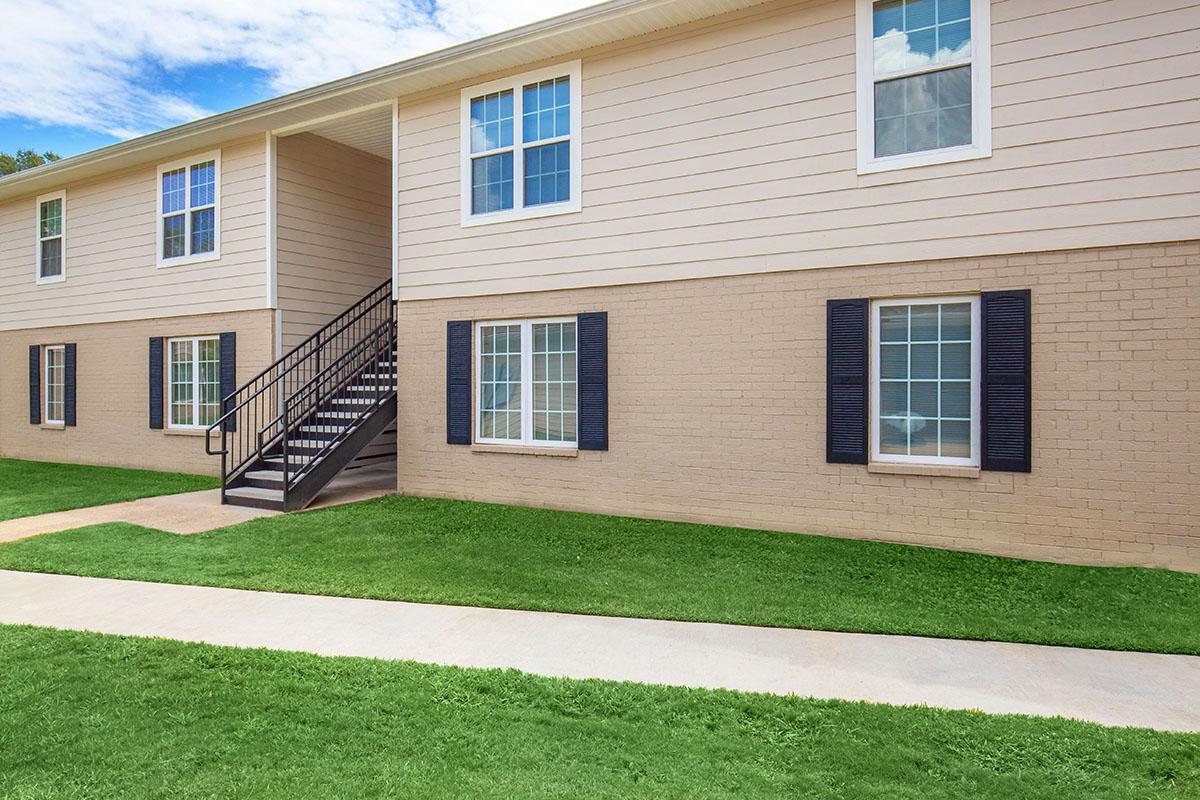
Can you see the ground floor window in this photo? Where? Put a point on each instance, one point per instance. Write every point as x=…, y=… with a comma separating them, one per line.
x=925, y=368
x=56, y=384
x=194, y=375
x=526, y=385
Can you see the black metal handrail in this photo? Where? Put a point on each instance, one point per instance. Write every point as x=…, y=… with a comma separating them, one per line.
x=253, y=423
x=325, y=391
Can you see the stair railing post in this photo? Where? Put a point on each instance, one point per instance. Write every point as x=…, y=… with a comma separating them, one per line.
x=286, y=459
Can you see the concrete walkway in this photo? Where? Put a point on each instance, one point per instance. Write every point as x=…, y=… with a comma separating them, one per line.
x=195, y=512
x=1139, y=689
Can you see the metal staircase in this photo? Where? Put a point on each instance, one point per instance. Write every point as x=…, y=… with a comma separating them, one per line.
x=289, y=431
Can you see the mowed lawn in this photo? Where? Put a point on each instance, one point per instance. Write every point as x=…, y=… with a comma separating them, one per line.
x=95, y=716
x=477, y=554
x=40, y=487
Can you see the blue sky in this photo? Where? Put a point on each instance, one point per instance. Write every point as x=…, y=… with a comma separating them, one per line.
x=80, y=74
x=214, y=87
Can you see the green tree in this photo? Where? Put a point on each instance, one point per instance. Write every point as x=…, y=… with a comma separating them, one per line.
x=24, y=159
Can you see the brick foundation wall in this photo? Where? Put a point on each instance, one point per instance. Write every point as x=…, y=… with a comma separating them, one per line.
x=717, y=404
x=112, y=391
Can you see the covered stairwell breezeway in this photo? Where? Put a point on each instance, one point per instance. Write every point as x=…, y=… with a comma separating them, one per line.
x=331, y=234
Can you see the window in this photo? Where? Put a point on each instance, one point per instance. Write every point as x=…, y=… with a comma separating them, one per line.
x=520, y=146
x=194, y=376
x=51, y=241
x=56, y=384
x=189, y=210
x=526, y=382
x=925, y=363
x=924, y=82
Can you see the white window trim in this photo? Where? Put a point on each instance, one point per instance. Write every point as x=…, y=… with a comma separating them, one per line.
x=186, y=163
x=37, y=233
x=981, y=96
x=46, y=351
x=527, y=439
x=573, y=70
x=976, y=364
x=195, y=340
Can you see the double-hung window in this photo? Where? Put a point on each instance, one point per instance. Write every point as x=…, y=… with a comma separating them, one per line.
x=56, y=384
x=521, y=146
x=924, y=82
x=189, y=201
x=926, y=368
x=194, y=381
x=526, y=390
x=51, y=241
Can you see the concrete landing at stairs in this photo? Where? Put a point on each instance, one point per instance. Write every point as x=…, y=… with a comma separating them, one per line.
x=196, y=512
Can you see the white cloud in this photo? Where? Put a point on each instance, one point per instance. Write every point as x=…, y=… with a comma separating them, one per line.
x=90, y=63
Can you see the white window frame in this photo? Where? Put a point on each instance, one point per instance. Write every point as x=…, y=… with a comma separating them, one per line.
x=981, y=95
x=976, y=366
x=37, y=232
x=186, y=164
x=46, y=351
x=516, y=83
x=195, y=340
x=526, y=439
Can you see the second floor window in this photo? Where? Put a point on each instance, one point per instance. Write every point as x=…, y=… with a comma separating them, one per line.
x=520, y=146
x=924, y=82
x=51, y=245
x=188, y=210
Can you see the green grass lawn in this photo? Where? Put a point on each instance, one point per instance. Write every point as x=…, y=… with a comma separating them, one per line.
x=39, y=487
x=88, y=715
x=447, y=551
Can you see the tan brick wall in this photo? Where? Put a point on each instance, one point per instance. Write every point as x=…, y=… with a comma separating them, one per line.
x=112, y=391
x=717, y=403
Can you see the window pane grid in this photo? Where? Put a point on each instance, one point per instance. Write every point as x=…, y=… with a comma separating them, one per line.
x=928, y=42
x=50, y=218
x=548, y=174
x=492, y=121
x=554, y=382
x=56, y=388
x=492, y=183
x=507, y=171
x=194, y=381
x=925, y=380
x=546, y=110
x=189, y=213
x=500, y=382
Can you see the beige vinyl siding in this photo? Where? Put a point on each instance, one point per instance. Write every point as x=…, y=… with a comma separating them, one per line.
x=112, y=271
x=334, y=246
x=727, y=146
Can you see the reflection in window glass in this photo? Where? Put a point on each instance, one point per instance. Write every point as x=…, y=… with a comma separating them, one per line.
x=500, y=382
x=554, y=381
x=921, y=56
x=925, y=380
x=56, y=384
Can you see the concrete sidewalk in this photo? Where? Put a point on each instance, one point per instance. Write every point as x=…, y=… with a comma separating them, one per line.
x=1139, y=689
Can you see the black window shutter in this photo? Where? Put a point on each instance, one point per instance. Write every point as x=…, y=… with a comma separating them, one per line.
x=228, y=348
x=35, y=384
x=846, y=365
x=458, y=382
x=69, y=385
x=1006, y=390
x=156, y=382
x=592, y=343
